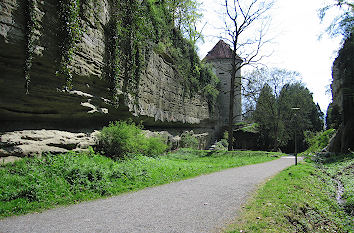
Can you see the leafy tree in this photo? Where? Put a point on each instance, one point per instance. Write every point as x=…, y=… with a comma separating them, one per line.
x=333, y=117
x=254, y=81
x=185, y=16
x=308, y=117
x=279, y=121
x=266, y=115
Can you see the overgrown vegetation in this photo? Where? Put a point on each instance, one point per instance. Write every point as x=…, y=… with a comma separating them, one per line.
x=284, y=114
x=31, y=37
x=137, y=28
x=248, y=127
x=300, y=199
x=340, y=169
x=317, y=141
x=34, y=184
x=188, y=140
x=70, y=34
x=121, y=139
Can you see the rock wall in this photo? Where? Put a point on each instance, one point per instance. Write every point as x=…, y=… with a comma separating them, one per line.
x=343, y=97
x=160, y=101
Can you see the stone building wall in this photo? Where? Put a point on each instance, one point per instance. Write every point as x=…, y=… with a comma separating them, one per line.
x=222, y=69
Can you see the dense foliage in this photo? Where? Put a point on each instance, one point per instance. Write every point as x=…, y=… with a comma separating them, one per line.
x=333, y=116
x=121, y=139
x=137, y=28
x=188, y=140
x=254, y=81
x=279, y=122
x=317, y=141
x=32, y=184
x=31, y=38
x=70, y=34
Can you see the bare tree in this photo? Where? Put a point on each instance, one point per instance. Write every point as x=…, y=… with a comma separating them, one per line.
x=254, y=81
x=246, y=24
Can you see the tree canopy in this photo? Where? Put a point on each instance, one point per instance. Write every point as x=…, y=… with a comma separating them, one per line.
x=281, y=117
x=242, y=17
x=254, y=81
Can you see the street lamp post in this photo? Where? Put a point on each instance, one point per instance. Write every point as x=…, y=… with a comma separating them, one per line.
x=295, y=144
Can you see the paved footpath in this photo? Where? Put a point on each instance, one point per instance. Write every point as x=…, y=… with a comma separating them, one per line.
x=202, y=204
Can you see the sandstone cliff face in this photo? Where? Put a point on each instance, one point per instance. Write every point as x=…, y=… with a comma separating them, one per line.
x=159, y=99
x=343, y=97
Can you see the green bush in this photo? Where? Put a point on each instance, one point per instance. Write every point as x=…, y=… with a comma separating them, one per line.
x=317, y=141
x=222, y=144
x=188, y=140
x=121, y=139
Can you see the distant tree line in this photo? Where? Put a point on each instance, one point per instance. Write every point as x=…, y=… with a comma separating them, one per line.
x=282, y=107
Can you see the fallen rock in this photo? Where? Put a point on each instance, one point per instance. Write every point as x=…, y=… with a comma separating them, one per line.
x=9, y=159
x=35, y=142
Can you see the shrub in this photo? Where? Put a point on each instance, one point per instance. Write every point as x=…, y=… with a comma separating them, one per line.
x=222, y=144
x=155, y=147
x=121, y=139
x=318, y=141
x=188, y=140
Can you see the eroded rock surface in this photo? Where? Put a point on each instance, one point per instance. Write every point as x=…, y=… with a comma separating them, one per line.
x=159, y=99
x=35, y=142
x=17, y=144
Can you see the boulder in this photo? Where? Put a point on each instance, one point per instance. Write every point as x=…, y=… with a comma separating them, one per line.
x=35, y=142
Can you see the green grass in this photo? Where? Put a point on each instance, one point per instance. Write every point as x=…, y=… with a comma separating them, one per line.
x=34, y=184
x=342, y=168
x=317, y=141
x=299, y=199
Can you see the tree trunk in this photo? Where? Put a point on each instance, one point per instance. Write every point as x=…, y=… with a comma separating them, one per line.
x=232, y=97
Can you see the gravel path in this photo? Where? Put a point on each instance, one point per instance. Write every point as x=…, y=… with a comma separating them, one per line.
x=202, y=204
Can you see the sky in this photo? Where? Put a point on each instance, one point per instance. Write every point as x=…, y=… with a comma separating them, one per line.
x=295, y=30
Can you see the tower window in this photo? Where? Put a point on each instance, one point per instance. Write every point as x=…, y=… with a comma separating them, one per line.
x=221, y=73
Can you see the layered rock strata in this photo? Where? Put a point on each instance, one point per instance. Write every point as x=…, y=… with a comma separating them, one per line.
x=159, y=100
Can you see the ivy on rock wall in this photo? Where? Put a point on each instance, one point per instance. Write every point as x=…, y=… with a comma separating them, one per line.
x=136, y=28
x=70, y=34
x=32, y=25
x=128, y=43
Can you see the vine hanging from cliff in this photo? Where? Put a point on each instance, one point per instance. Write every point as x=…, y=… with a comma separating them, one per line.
x=128, y=42
x=136, y=27
x=31, y=25
x=70, y=34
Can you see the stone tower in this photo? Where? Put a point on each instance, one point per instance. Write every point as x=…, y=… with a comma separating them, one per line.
x=220, y=57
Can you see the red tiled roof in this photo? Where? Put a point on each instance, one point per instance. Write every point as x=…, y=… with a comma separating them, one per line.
x=220, y=50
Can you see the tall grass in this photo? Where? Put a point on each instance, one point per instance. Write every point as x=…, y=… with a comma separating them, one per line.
x=34, y=184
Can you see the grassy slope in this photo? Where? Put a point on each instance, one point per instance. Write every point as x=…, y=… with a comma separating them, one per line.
x=34, y=184
x=299, y=199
